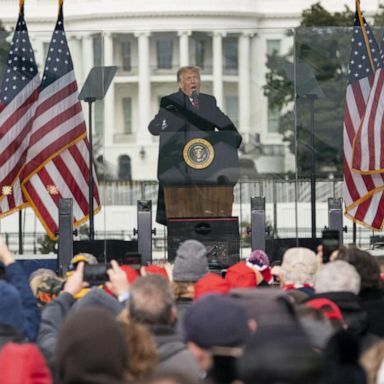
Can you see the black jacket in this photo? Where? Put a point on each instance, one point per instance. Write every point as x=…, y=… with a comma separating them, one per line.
x=372, y=302
x=177, y=114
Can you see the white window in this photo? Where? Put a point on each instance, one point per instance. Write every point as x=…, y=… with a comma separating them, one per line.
x=125, y=48
x=164, y=52
x=273, y=46
x=273, y=119
x=230, y=53
x=127, y=115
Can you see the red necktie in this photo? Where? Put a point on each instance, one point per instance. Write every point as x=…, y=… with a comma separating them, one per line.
x=195, y=100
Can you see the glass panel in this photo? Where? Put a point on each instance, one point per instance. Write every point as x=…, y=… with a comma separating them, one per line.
x=321, y=62
x=164, y=51
x=257, y=80
x=230, y=53
x=125, y=47
x=127, y=112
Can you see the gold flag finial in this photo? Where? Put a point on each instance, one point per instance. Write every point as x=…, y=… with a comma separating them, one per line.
x=21, y=6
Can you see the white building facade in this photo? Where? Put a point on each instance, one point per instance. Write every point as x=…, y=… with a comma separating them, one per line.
x=148, y=41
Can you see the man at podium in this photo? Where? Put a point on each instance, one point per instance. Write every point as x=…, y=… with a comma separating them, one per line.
x=188, y=110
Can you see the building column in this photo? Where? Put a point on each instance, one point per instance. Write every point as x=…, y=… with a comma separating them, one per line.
x=143, y=136
x=244, y=82
x=218, y=67
x=87, y=55
x=109, y=100
x=39, y=53
x=184, y=47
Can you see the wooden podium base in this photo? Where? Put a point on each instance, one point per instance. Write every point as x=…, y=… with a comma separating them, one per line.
x=198, y=201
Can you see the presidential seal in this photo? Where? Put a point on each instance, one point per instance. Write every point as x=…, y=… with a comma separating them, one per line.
x=198, y=153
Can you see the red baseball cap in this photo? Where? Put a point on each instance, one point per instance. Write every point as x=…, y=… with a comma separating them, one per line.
x=211, y=283
x=328, y=307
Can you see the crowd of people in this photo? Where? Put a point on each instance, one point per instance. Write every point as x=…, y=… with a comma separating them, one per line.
x=301, y=322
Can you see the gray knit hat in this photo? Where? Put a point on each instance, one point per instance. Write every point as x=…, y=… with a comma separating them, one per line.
x=191, y=261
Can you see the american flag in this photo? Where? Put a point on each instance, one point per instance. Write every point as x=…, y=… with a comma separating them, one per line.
x=368, y=156
x=57, y=162
x=362, y=194
x=18, y=101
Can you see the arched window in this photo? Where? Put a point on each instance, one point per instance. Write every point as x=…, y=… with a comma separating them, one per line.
x=124, y=170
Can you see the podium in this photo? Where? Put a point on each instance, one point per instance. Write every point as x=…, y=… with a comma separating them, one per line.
x=198, y=170
x=198, y=201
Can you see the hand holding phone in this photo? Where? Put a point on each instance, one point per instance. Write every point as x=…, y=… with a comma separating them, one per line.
x=330, y=243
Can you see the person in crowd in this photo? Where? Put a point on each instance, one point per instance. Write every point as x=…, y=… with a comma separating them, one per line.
x=154, y=269
x=19, y=314
x=341, y=360
x=23, y=364
x=152, y=304
x=190, y=265
x=210, y=283
x=339, y=282
x=330, y=310
x=278, y=354
x=241, y=275
x=372, y=361
x=297, y=270
x=316, y=326
x=371, y=292
x=45, y=285
x=266, y=306
x=142, y=358
x=216, y=330
x=87, y=259
x=91, y=348
x=169, y=378
x=55, y=312
x=259, y=260
x=188, y=109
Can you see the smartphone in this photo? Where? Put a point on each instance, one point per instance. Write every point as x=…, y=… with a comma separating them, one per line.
x=96, y=274
x=330, y=242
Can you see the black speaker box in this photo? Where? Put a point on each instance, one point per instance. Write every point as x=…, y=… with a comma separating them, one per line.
x=275, y=248
x=125, y=252
x=219, y=235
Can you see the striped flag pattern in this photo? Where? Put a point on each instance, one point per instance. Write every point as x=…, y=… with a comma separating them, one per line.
x=368, y=155
x=18, y=101
x=362, y=193
x=56, y=165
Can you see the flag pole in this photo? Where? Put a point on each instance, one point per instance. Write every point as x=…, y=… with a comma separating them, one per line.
x=90, y=100
x=21, y=251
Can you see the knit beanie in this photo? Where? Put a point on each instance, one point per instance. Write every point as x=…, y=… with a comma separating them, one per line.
x=259, y=260
x=191, y=261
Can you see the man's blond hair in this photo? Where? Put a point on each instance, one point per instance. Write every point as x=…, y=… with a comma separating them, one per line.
x=186, y=68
